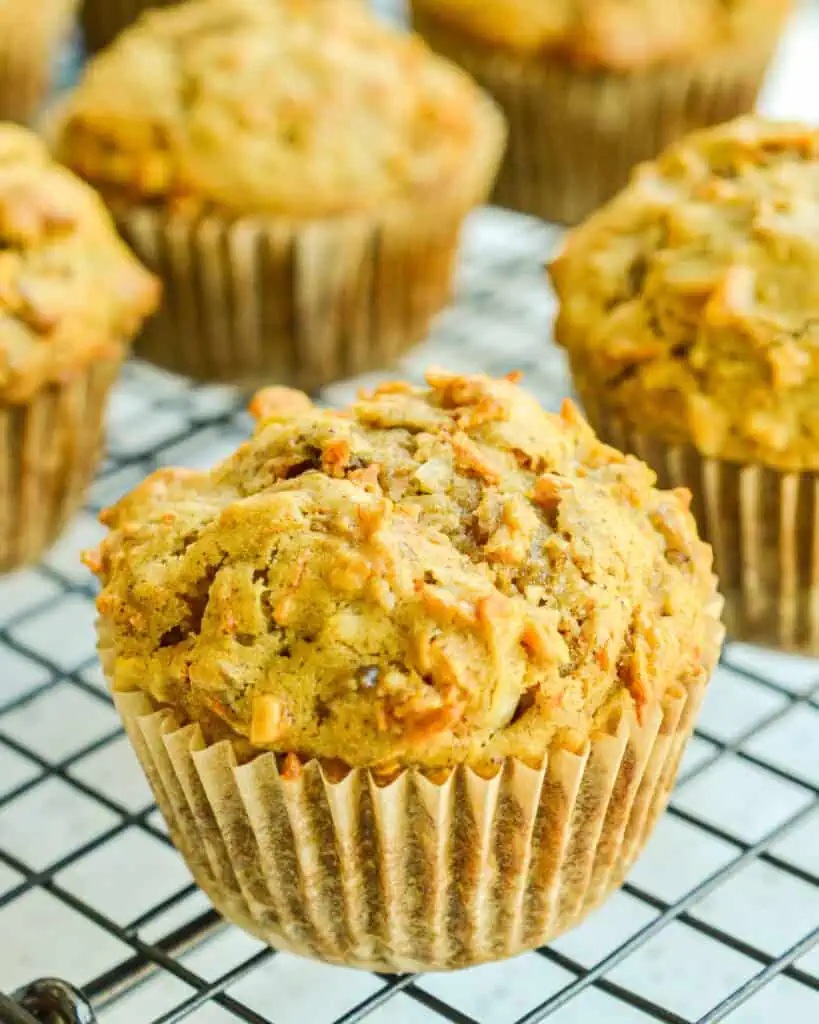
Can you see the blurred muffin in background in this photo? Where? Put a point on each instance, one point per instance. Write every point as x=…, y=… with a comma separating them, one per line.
x=411, y=680
x=71, y=297
x=689, y=306
x=592, y=87
x=103, y=20
x=31, y=34
x=296, y=172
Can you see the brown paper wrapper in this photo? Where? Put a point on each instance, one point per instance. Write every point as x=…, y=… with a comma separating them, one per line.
x=415, y=874
x=49, y=449
x=253, y=303
x=103, y=20
x=30, y=38
x=575, y=135
x=276, y=300
x=762, y=523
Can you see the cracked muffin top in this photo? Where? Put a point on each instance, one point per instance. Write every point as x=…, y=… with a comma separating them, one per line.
x=286, y=106
x=70, y=290
x=432, y=576
x=621, y=35
x=690, y=304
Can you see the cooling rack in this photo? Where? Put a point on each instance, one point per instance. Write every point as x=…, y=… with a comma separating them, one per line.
x=720, y=919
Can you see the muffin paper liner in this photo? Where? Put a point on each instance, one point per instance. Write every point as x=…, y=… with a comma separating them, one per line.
x=248, y=302
x=575, y=135
x=413, y=874
x=31, y=36
x=49, y=448
x=272, y=299
x=762, y=523
x=103, y=20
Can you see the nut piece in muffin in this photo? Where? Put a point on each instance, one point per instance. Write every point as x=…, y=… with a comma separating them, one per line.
x=309, y=164
x=592, y=87
x=435, y=584
x=71, y=298
x=689, y=310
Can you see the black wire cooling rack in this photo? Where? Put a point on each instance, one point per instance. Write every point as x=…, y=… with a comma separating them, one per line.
x=720, y=919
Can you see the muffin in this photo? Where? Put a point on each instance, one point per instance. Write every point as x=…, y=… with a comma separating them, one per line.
x=690, y=312
x=71, y=297
x=411, y=681
x=103, y=20
x=592, y=87
x=30, y=38
x=296, y=172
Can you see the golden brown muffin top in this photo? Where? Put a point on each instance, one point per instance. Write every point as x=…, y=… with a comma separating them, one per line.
x=429, y=577
x=690, y=304
x=616, y=34
x=70, y=290
x=284, y=106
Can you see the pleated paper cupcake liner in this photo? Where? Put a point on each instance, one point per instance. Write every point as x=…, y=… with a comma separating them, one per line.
x=575, y=135
x=103, y=20
x=31, y=37
x=49, y=449
x=272, y=299
x=414, y=874
x=254, y=302
x=762, y=523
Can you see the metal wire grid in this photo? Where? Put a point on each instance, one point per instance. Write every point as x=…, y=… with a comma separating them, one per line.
x=156, y=420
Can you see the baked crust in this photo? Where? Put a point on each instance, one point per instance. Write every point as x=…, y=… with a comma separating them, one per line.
x=290, y=107
x=70, y=290
x=611, y=34
x=689, y=303
x=430, y=577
